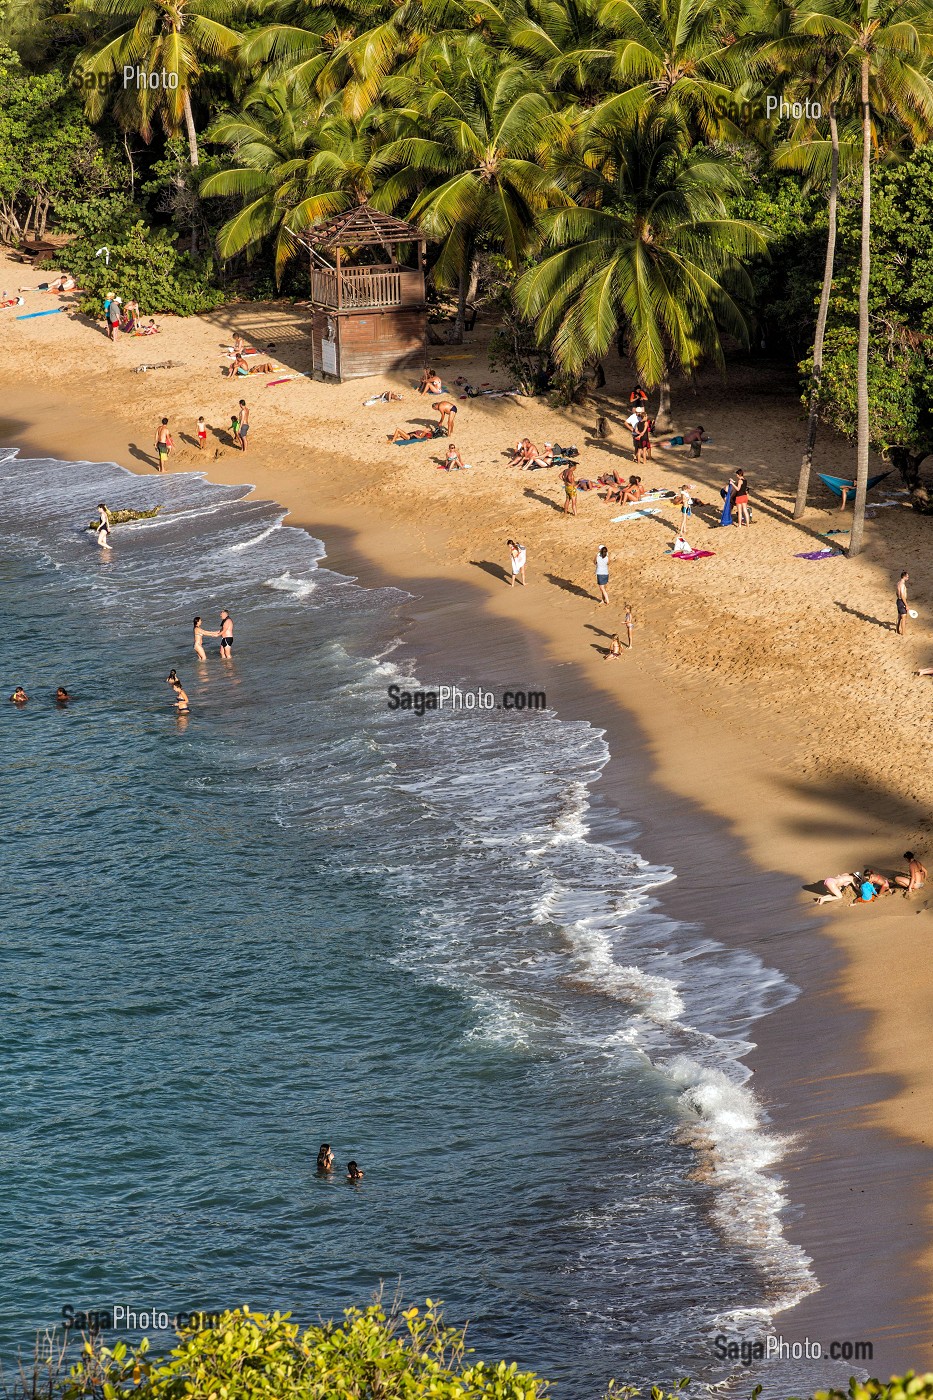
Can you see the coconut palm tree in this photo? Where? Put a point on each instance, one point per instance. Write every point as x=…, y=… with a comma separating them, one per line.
x=167, y=38
x=649, y=253
x=481, y=168
x=885, y=49
x=297, y=163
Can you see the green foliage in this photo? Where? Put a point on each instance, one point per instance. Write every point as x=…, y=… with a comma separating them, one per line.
x=785, y=284
x=51, y=162
x=256, y=1356
x=145, y=266
x=900, y=366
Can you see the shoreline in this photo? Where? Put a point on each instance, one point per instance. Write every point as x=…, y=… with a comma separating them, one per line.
x=675, y=736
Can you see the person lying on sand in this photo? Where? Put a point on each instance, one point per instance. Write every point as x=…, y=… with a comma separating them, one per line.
x=12, y=301
x=835, y=884
x=387, y=397
x=916, y=876
x=65, y=283
x=404, y=434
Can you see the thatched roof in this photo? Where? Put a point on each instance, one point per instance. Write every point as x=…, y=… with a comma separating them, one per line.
x=358, y=227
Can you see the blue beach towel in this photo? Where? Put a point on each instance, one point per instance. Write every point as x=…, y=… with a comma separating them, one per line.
x=31, y=315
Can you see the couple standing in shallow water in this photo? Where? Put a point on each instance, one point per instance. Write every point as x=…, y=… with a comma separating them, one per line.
x=225, y=634
x=325, y=1164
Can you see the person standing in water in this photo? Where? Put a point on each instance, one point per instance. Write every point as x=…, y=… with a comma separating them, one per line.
x=226, y=635
x=103, y=528
x=325, y=1160
x=199, y=635
x=181, y=699
x=353, y=1172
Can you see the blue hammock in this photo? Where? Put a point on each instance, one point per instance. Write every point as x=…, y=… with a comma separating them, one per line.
x=836, y=483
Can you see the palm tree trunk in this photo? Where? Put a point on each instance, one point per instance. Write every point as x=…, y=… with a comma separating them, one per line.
x=806, y=463
x=192, y=134
x=463, y=291
x=861, y=475
x=664, y=402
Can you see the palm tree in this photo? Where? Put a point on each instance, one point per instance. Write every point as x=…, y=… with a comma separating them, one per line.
x=166, y=38
x=884, y=48
x=648, y=253
x=297, y=163
x=481, y=169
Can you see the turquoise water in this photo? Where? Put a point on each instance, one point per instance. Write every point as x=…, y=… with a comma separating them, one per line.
x=298, y=918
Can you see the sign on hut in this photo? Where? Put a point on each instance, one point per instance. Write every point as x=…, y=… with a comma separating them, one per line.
x=366, y=316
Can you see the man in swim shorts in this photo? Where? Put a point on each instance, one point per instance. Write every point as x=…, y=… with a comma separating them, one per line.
x=902, y=603
x=163, y=444
x=226, y=635
x=446, y=412
x=243, y=424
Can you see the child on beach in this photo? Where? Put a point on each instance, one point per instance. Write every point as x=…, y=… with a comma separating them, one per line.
x=517, y=555
x=202, y=434
x=835, y=884
x=615, y=648
x=629, y=621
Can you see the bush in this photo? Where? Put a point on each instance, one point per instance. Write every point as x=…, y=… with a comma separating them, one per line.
x=145, y=266
x=254, y=1356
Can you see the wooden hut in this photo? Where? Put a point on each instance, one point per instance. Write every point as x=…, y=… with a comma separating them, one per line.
x=366, y=317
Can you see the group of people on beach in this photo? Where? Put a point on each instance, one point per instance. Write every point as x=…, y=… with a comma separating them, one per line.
x=239, y=431
x=869, y=885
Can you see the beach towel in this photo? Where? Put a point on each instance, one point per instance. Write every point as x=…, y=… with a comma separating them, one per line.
x=819, y=554
x=636, y=515
x=694, y=554
x=407, y=442
x=31, y=315
x=284, y=380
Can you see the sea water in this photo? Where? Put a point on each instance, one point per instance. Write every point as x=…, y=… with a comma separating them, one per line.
x=296, y=917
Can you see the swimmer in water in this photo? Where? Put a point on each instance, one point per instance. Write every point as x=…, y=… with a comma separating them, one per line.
x=181, y=699
x=19, y=696
x=172, y=677
x=61, y=696
x=325, y=1160
x=353, y=1172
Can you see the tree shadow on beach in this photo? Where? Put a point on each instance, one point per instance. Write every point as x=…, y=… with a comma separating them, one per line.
x=864, y=617
x=569, y=587
x=488, y=567
x=858, y=810
x=543, y=500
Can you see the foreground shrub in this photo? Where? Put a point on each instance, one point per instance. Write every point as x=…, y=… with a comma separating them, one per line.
x=145, y=266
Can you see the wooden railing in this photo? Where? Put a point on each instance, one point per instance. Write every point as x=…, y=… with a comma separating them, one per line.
x=356, y=288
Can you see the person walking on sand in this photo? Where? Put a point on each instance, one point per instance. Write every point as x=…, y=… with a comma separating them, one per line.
x=629, y=621
x=446, y=411
x=569, y=477
x=242, y=424
x=226, y=635
x=103, y=527
x=202, y=433
x=915, y=879
x=835, y=884
x=517, y=554
x=602, y=573
x=902, y=609
x=163, y=444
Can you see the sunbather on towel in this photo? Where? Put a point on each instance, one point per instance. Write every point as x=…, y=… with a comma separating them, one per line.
x=410, y=434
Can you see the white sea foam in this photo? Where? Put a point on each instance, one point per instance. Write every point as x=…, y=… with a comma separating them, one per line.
x=257, y=539
x=298, y=588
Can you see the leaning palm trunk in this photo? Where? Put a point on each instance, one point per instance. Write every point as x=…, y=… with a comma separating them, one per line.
x=192, y=134
x=861, y=476
x=806, y=463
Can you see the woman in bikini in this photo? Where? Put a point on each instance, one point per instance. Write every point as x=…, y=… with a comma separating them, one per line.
x=740, y=486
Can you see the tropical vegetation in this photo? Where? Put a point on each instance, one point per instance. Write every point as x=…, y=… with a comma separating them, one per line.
x=675, y=182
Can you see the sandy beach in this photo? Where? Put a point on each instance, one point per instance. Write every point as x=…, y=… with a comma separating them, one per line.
x=766, y=696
